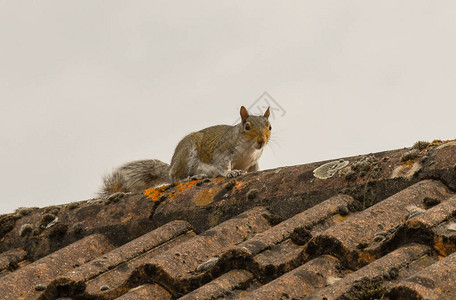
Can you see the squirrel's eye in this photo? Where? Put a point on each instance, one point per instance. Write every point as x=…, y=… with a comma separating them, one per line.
x=270, y=127
x=247, y=127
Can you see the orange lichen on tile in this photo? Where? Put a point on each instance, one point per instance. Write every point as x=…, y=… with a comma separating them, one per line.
x=126, y=218
x=239, y=185
x=205, y=197
x=440, y=142
x=443, y=248
x=156, y=193
x=340, y=218
x=436, y=143
x=214, y=220
x=180, y=187
x=169, y=191
x=366, y=258
x=407, y=163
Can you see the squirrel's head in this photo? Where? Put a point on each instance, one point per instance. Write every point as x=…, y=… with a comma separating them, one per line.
x=256, y=128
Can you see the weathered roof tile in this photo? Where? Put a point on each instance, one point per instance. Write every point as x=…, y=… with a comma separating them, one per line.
x=434, y=282
x=223, y=286
x=22, y=283
x=434, y=215
x=10, y=259
x=182, y=268
x=277, y=260
x=104, y=270
x=367, y=282
x=351, y=239
x=147, y=291
x=117, y=280
x=299, y=282
x=360, y=227
x=317, y=214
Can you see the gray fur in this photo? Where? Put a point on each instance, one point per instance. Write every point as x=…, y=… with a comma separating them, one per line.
x=233, y=152
x=220, y=150
x=136, y=176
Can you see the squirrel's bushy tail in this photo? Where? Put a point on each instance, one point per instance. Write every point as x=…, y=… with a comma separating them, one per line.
x=135, y=176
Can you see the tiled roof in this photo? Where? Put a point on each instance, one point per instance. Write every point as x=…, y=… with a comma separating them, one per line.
x=365, y=227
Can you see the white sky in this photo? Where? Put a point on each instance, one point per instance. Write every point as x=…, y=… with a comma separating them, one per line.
x=88, y=85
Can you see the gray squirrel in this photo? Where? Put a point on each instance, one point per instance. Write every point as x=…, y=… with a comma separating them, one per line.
x=220, y=150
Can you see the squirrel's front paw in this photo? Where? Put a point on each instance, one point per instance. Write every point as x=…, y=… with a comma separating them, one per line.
x=115, y=197
x=197, y=177
x=235, y=173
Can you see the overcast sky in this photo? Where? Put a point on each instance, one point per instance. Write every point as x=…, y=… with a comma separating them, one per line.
x=88, y=85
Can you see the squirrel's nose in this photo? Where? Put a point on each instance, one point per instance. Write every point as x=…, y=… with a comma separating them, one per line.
x=260, y=142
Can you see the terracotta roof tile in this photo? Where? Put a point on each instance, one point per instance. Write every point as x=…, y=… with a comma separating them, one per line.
x=435, y=215
x=223, y=286
x=278, y=249
x=10, y=260
x=435, y=282
x=116, y=281
x=24, y=281
x=113, y=269
x=301, y=281
x=147, y=291
x=357, y=241
x=368, y=281
x=191, y=264
x=434, y=227
x=276, y=260
x=316, y=215
x=356, y=228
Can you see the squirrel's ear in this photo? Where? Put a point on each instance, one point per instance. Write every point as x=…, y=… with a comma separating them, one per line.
x=267, y=112
x=244, y=114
